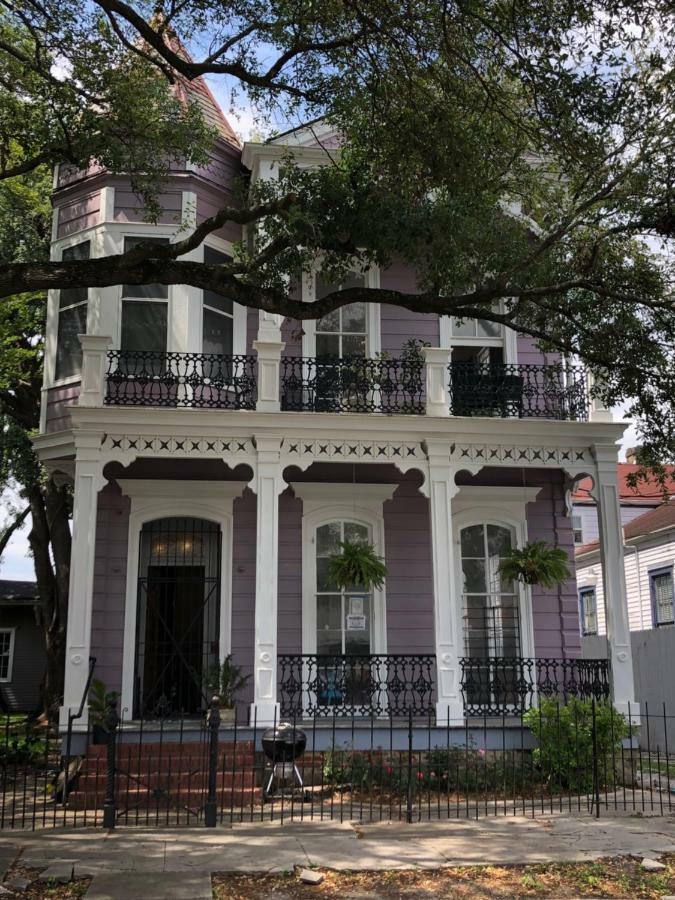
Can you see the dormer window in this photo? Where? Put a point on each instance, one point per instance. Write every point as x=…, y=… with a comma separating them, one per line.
x=144, y=309
x=72, y=320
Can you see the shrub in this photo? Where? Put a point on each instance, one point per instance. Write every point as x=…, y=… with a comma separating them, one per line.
x=565, y=735
x=21, y=749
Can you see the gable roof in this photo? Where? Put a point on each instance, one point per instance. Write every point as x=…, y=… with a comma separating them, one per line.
x=646, y=493
x=659, y=519
x=17, y=592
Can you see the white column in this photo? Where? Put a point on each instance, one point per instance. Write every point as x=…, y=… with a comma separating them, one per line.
x=597, y=411
x=94, y=350
x=447, y=606
x=269, y=361
x=613, y=575
x=268, y=485
x=269, y=326
x=89, y=481
x=437, y=360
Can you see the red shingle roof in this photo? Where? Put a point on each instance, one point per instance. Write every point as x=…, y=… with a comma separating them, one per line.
x=647, y=493
x=654, y=520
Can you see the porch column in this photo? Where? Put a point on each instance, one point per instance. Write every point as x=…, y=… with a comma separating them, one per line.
x=89, y=481
x=268, y=485
x=613, y=576
x=437, y=361
x=447, y=608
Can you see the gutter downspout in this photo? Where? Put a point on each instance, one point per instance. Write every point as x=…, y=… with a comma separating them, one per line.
x=636, y=554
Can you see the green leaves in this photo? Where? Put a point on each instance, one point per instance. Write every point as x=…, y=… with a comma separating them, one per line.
x=536, y=563
x=357, y=566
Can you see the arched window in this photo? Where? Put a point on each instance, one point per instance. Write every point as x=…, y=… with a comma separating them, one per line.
x=491, y=605
x=344, y=621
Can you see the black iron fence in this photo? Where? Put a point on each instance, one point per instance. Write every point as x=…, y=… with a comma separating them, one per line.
x=512, y=685
x=205, y=380
x=344, y=686
x=577, y=757
x=352, y=384
x=525, y=391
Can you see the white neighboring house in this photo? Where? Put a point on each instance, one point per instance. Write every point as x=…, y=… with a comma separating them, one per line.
x=649, y=557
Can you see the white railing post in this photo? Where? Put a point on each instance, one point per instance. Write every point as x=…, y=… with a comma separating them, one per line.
x=597, y=411
x=437, y=360
x=269, y=362
x=92, y=386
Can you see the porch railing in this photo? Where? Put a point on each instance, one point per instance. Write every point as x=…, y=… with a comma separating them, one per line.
x=201, y=380
x=527, y=391
x=344, y=686
x=352, y=384
x=511, y=685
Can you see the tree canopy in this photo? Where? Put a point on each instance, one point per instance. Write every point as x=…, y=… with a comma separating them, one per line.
x=519, y=155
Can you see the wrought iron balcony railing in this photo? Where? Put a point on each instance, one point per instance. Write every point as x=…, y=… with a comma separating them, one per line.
x=527, y=391
x=511, y=685
x=343, y=686
x=205, y=380
x=352, y=384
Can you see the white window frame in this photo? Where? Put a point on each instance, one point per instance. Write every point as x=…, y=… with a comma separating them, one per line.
x=373, y=337
x=506, y=507
x=168, y=300
x=239, y=312
x=10, y=662
x=582, y=590
x=580, y=528
x=654, y=573
x=323, y=503
x=159, y=499
x=508, y=340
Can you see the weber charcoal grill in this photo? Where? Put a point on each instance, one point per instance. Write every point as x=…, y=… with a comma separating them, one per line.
x=283, y=745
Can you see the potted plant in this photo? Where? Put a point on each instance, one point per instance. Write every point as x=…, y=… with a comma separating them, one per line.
x=356, y=566
x=225, y=681
x=536, y=563
x=100, y=701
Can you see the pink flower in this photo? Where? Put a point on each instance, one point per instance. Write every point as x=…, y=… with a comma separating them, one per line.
x=420, y=776
x=481, y=752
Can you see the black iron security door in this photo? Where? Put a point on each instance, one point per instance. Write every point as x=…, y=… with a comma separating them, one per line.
x=178, y=621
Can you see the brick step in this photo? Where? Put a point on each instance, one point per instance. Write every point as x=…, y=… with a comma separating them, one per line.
x=168, y=782
x=175, y=748
x=168, y=763
x=144, y=799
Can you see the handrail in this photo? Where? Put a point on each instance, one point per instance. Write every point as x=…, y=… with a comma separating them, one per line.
x=71, y=718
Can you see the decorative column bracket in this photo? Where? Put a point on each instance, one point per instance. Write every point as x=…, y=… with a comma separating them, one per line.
x=269, y=362
x=92, y=386
x=437, y=360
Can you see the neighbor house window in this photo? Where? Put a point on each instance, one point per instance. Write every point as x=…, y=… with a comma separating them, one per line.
x=218, y=313
x=577, y=529
x=343, y=332
x=144, y=309
x=6, y=653
x=72, y=320
x=661, y=587
x=588, y=611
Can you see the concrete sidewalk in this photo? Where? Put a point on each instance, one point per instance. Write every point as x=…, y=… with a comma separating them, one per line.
x=270, y=847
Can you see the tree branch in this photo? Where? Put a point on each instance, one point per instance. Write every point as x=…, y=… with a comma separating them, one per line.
x=9, y=530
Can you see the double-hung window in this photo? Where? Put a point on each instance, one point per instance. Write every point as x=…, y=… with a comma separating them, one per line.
x=144, y=309
x=218, y=313
x=72, y=320
x=661, y=587
x=578, y=529
x=343, y=332
x=588, y=611
x=6, y=653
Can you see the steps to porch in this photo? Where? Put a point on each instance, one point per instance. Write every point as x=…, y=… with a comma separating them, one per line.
x=164, y=776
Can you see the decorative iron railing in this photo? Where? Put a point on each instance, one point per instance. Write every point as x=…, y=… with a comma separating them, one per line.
x=506, y=685
x=206, y=380
x=527, y=391
x=352, y=384
x=345, y=686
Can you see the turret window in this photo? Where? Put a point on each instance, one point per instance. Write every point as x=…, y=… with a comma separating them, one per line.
x=72, y=320
x=144, y=309
x=218, y=313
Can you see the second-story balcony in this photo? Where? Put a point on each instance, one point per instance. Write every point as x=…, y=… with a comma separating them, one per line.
x=345, y=385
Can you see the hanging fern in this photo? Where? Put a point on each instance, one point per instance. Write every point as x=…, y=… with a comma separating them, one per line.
x=536, y=563
x=358, y=565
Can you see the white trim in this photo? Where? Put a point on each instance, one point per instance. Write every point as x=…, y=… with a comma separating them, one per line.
x=10, y=665
x=323, y=503
x=373, y=324
x=162, y=498
x=505, y=506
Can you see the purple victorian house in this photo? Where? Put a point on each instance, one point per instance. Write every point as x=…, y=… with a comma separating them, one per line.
x=220, y=456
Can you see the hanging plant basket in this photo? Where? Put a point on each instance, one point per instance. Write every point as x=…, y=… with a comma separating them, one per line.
x=357, y=566
x=536, y=563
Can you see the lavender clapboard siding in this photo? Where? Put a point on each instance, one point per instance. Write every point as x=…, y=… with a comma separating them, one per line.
x=110, y=574
x=209, y=201
x=397, y=325
x=58, y=400
x=129, y=207
x=530, y=354
x=290, y=574
x=78, y=213
x=243, y=586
